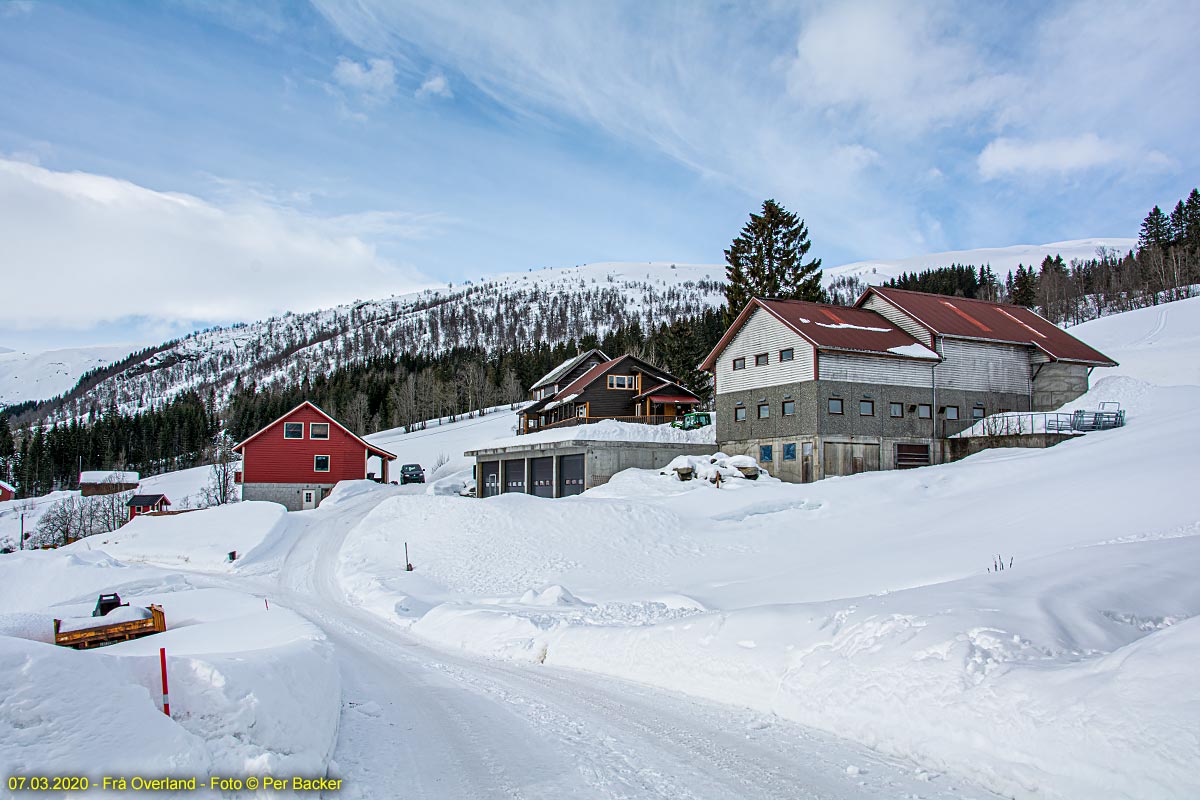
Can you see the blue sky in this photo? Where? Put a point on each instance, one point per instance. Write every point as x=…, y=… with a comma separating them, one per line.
x=231, y=160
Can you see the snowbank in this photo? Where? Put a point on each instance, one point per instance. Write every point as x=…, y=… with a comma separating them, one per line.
x=611, y=430
x=199, y=540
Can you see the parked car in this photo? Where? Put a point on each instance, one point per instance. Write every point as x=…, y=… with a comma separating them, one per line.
x=412, y=473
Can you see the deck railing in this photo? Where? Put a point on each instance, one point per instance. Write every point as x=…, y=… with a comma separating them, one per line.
x=1021, y=423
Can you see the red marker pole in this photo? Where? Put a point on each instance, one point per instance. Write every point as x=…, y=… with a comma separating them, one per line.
x=162, y=660
x=265, y=603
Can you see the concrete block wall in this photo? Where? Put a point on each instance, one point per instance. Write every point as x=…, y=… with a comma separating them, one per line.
x=289, y=495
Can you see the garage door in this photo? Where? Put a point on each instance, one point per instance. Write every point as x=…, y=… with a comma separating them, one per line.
x=489, y=479
x=570, y=475
x=542, y=470
x=843, y=458
x=912, y=455
x=514, y=475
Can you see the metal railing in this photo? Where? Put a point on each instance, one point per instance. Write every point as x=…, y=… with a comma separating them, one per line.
x=1024, y=423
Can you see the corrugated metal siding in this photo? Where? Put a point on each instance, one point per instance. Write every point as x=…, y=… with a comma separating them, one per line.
x=984, y=366
x=272, y=459
x=876, y=369
x=898, y=318
x=762, y=333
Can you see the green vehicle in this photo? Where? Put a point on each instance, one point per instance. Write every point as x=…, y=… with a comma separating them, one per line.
x=693, y=420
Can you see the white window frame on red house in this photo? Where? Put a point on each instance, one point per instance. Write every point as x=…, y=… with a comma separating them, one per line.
x=328, y=463
x=312, y=435
x=299, y=438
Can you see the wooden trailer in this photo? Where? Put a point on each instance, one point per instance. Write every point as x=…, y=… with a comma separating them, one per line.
x=111, y=633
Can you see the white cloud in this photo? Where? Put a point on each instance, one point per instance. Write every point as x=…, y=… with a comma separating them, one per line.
x=435, y=85
x=373, y=82
x=1057, y=156
x=84, y=249
x=16, y=8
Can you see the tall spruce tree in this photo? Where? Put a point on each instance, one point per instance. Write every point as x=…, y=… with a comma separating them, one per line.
x=1156, y=230
x=767, y=260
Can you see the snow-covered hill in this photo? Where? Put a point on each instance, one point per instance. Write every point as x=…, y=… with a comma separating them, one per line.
x=545, y=305
x=42, y=375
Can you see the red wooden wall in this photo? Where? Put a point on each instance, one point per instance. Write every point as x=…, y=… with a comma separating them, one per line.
x=269, y=458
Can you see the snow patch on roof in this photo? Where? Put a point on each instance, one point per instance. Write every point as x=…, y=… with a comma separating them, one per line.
x=108, y=476
x=914, y=351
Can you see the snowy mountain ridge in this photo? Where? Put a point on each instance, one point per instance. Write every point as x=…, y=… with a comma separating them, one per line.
x=504, y=311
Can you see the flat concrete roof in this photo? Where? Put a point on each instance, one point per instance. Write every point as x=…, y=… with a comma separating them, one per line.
x=594, y=444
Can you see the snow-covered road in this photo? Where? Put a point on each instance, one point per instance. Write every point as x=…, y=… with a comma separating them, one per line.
x=420, y=722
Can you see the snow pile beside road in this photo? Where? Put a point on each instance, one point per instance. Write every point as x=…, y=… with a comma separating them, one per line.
x=253, y=690
x=200, y=540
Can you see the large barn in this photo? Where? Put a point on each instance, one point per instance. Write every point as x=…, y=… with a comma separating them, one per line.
x=814, y=390
x=300, y=457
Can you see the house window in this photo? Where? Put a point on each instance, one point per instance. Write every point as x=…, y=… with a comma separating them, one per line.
x=320, y=463
x=835, y=405
x=789, y=452
x=951, y=412
x=766, y=453
x=760, y=360
x=866, y=408
x=977, y=412
x=764, y=411
x=318, y=430
x=739, y=363
x=896, y=409
x=621, y=382
x=293, y=430
x=787, y=354
x=739, y=414
x=789, y=408
x=925, y=411
x=581, y=411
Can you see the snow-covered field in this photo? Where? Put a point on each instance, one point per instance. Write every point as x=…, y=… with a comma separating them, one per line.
x=866, y=606
x=544, y=647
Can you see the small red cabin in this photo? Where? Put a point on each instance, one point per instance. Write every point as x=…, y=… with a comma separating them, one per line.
x=7, y=492
x=298, y=458
x=147, y=504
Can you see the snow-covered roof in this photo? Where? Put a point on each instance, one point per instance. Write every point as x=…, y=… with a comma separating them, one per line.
x=8, y=487
x=108, y=476
x=566, y=366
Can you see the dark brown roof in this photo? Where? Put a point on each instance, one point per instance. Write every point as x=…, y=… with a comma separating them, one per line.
x=830, y=327
x=999, y=322
x=672, y=388
x=565, y=367
x=147, y=500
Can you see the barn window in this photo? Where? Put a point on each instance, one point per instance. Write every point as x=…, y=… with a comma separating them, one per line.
x=896, y=409
x=739, y=414
x=835, y=405
x=739, y=363
x=318, y=430
x=787, y=354
x=789, y=452
x=621, y=382
x=951, y=412
x=320, y=463
x=766, y=453
x=977, y=412
x=866, y=408
x=760, y=360
x=925, y=411
x=293, y=430
x=789, y=407
x=764, y=411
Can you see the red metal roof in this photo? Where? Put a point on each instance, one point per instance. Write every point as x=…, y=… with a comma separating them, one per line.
x=999, y=322
x=672, y=398
x=830, y=327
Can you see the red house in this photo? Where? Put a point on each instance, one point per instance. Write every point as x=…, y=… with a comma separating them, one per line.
x=147, y=504
x=7, y=492
x=298, y=458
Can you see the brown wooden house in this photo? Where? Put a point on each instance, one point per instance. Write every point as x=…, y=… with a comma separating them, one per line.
x=591, y=387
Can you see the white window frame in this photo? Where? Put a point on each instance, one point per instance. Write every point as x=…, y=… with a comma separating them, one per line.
x=319, y=438
x=328, y=462
x=299, y=438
